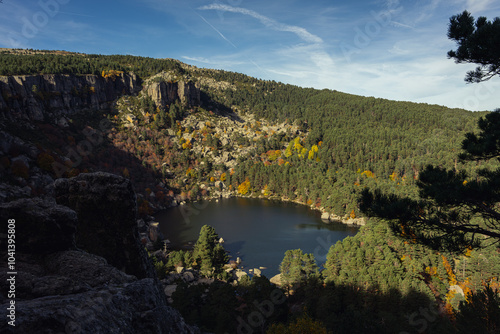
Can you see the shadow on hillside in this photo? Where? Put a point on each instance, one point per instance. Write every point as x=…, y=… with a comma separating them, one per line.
x=218, y=108
x=346, y=308
x=341, y=309
x=85, y=145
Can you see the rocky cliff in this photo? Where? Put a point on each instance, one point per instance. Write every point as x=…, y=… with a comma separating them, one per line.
x=50, y=96
x=107, y=223
x=167, y=87
x=61, y=285
x=166, y=92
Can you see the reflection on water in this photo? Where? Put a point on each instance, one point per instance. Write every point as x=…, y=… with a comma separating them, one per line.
x=258, y=231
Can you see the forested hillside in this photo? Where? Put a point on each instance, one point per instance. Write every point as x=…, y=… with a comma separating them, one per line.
x=360, y=141
x=250, y=137
x=346, y=142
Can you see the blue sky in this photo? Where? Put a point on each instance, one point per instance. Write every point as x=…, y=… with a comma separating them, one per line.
x=384, y=48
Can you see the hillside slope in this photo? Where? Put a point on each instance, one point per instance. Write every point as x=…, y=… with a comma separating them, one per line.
x=331, y=143
x=181, y=133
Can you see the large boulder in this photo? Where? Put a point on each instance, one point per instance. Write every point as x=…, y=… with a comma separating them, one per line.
x=129, y=307
x=276, y=280
x=107, y=225
x=41, y=226
x=62, y=289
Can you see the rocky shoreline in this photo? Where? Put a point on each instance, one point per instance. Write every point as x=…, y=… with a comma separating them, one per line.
x=149, y=234
x=326, y=216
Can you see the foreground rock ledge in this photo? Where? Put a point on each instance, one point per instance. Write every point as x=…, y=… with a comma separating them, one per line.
x=107, y=219
x=61, y=288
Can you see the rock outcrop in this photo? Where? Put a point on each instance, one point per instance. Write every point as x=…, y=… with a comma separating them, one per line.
x=50, y=96
x=107, y=223
x=164, y=93
x=62, y=289
x=43, y=227
x=136, y=307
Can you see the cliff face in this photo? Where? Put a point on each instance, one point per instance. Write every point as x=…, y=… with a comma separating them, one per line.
x=61, y=285
x=107, y=224
x=47, y=97
x=166, y=92
x=42, y=97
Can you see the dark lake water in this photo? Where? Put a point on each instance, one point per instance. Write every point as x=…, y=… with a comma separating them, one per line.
x=258, y=231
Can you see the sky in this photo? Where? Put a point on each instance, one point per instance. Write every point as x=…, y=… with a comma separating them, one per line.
x=393, y=49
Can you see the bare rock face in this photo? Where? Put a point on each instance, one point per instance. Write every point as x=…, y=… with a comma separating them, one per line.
x=189, y=93
x=77, y=292
x=62, y=289
x=107, y=225
x=44, y=226
x=137, y=307
x=164, y=93
x=38, y=97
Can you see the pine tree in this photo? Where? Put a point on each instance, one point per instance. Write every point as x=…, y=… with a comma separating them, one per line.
x=208, y=252
x=297, y=268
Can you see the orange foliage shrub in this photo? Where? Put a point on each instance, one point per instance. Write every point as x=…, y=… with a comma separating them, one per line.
x=126, y=173
x=5, y=162
x=20, y=169
x=143, y=207
x=160, y=195
x=452, y=279
x=273, y=155
x=73, y=172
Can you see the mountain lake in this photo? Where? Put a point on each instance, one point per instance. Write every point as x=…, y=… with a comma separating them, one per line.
x=258, y=231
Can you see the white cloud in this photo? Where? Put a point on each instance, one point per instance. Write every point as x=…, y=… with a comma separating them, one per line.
x=478, y=5
x=270, y=23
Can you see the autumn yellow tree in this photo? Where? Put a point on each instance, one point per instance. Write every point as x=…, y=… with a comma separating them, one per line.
x=244, y=187
x=288, y=151
x=111, y=74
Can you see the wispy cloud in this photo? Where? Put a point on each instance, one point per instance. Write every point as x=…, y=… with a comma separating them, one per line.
x=198, y=59
x=218, y=61
x=402, y=25
x=268, y=22
x=478, y=5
